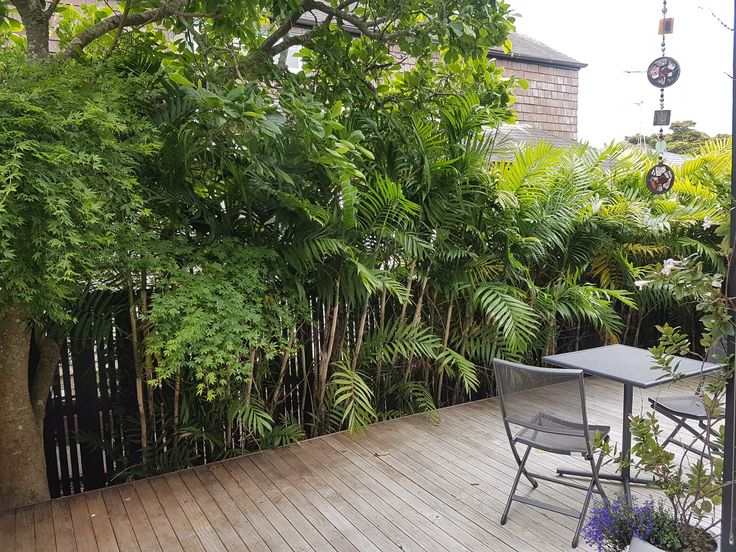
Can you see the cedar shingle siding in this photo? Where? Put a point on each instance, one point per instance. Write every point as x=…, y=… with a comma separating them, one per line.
x=551, y=101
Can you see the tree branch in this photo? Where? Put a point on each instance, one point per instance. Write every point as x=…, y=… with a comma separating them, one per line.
x=89, y=35
x=49, y=13
x=367, y=28
x=282, y=30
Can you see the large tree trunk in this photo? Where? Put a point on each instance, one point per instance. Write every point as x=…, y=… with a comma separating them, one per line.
x=22, y=461
x=36, y=23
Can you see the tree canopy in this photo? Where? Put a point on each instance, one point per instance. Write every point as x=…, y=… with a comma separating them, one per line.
x=683, y=138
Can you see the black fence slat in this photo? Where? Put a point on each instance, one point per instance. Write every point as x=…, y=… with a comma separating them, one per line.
x=88, y=415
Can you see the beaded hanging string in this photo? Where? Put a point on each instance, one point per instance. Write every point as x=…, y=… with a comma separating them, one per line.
x=664, y=51
x=662, y=72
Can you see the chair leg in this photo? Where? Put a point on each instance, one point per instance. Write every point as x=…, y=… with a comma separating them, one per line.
x=532, y=481
x=594, y=482
x=670, y=438
x=515, y=485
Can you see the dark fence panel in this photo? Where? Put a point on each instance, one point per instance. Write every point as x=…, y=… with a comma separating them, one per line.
x=84, y=413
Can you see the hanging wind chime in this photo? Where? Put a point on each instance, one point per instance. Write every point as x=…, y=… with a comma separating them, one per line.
x=662, y=73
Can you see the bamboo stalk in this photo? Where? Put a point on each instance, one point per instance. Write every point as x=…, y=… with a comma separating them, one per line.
x=445, y=341
x=282, y=373
x=359, y=337
x=148, y=361
x=138, y=372
x=327, y=354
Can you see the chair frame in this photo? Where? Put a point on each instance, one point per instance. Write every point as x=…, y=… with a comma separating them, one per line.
x=521, y=458
x=681, y=420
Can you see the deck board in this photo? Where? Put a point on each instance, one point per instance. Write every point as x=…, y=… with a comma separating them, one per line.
x=407, y=485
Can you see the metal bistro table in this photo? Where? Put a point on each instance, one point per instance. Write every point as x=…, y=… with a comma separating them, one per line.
x=634, y=368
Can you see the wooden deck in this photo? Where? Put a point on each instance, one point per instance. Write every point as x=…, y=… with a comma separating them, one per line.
x=408, y=485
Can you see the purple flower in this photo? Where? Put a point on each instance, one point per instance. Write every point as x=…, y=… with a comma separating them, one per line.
x=611, y=526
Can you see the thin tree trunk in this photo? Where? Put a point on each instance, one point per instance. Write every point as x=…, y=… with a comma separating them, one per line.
x=415, y=322
x=177, y=391
x=138, y=372
x=282, y=373
x=22, y=460
x=359, y=337
x=445, y=341
x=148, y=361
x=249, y=383
x=326, y=356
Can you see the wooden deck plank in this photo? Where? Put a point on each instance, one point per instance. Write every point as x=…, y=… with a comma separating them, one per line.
x=343, y=535
x=83, y=532
x=101, y=520
x=44, y=525
x=423, y=515
x=222, y=526
x=323, y=519
x=25, y=535
x=7, y=530
x=245, y=504
x=121, y=526
x=63, y=528
x=345, y=478
x=299, y=525
x=351, y=506
x=142, y=528
x=230, y=510
x=206, y=533
x=183, y=529
x=155, y=516
x=481, y=503
x=437, y=512
x=408, y=485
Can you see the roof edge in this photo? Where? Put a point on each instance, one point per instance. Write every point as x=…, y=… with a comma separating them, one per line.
x=538, y=61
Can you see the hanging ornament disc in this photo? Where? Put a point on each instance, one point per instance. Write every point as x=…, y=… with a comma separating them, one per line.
x=663, y=72
x=660, y=179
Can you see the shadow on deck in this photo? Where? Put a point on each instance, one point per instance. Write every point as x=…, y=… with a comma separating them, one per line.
x=408, y=485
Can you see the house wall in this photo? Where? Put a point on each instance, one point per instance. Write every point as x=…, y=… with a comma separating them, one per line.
x=551, y=101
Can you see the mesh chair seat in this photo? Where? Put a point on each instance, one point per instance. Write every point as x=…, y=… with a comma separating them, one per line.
x=560, y=437
x=688, y=406
x=547, y=406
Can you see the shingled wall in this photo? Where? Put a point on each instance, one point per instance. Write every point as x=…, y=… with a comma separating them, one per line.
x=551, y=101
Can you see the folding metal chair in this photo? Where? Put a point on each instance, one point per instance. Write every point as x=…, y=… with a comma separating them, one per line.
x=547, y=405
x=686, y=411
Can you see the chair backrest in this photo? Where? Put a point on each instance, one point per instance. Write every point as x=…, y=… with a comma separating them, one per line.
x=717, y=351
x=545, y=399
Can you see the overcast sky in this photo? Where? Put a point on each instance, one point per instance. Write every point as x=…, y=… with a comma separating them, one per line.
x=617, y=36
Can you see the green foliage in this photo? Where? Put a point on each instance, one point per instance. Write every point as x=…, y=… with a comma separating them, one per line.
x=692, y=483
x=352, y=400
x=72, y=140
x=213, y=316
x=316, y=250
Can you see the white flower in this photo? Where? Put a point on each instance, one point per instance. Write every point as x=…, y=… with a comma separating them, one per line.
x=669, y=265
x=641, y=283
x=707, y=223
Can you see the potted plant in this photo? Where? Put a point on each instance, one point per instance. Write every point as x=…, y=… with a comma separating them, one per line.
x=621, y=525
x=691, y=482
